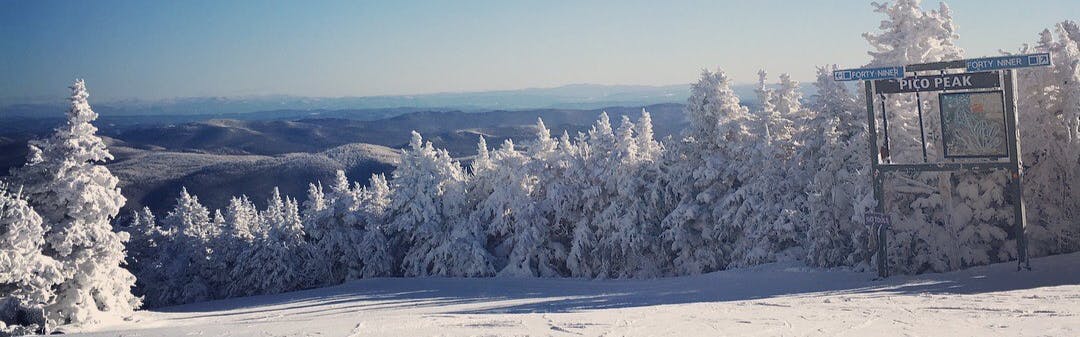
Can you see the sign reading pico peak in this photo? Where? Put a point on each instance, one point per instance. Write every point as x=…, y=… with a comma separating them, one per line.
x=866, y=74
x=1008, y=62
x=939, y=83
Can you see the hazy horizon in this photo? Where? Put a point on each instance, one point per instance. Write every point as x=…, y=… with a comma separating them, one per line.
x=60, y=96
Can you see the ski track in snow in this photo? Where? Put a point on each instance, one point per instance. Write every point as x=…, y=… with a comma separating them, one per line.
x=770, y=300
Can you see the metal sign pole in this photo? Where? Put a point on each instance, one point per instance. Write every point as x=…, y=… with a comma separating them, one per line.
x=922, y=130
x=875, y=175
x=1016, y=169
x=885, y=128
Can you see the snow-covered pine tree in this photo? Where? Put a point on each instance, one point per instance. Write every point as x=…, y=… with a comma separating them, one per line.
x=702, y=176
x=745, y=209
x=839, y=191
x=631, y=221
x=289, y=234
x=564, y=179
x=544, y=165
x=346, y=232
x=331, y=225
x=434, y=236
x=144, y=249
x=648, y=206
x=242, y=226
x=649, y=149
x=481, y=184
x=374, y=247
x=514, y=220
x=145, y=236
x=767, y=206
x=317, y=215
x=594, y=175
x=242, y=222
x=1049, y=103
x=185, y=256
x=803, y=146
x=274, y=263
x=77, y=197
x=512, y=203
x=606, y=256
x=27, y=276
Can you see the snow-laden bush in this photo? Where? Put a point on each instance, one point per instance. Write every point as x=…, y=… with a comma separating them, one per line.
x=27, y=275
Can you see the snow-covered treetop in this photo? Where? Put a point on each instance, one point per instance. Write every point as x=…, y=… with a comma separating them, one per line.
x=764, y=94
x=482, y=162
x=544, y=145
x=189, y=217
x=789, y=96
x=648, y=147
x=77, y=137
x=910, y=35
x=626, y=145
x=416, y=142
x=711, y=104
x=601, y=131
x=832, y=97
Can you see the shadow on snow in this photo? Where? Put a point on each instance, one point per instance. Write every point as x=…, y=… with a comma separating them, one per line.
x=545, y=295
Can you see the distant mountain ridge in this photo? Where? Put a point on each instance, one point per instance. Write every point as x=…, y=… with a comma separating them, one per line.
x=219, y=158
x=576, y=96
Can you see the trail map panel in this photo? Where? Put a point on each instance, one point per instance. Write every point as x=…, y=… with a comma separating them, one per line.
x=973, y=125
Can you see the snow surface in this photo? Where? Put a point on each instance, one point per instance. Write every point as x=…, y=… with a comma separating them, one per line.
x=779, y=299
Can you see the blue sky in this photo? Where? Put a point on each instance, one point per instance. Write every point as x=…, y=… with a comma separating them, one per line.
x=160, y=49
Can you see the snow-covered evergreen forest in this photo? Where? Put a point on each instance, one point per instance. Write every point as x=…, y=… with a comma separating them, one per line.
x=739, y=187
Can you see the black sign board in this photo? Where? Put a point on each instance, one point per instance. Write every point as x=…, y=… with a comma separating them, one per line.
x=939, y=82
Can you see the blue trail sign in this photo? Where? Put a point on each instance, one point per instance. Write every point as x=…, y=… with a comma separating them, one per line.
x=1008, y=62
x=866, y=74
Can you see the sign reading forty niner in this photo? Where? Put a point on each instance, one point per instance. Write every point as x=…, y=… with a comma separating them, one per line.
x=867, y=74
x=1008, y=62
x=939, y=83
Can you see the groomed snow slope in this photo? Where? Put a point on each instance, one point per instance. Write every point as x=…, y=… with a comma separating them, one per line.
x=771, y=300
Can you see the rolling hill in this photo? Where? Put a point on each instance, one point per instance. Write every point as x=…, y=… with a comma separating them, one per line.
x=219, y=158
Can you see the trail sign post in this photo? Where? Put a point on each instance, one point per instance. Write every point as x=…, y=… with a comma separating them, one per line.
x=978, y=123
x=879, y=223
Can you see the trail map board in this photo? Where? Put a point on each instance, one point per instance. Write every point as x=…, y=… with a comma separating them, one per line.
x=973, y=125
